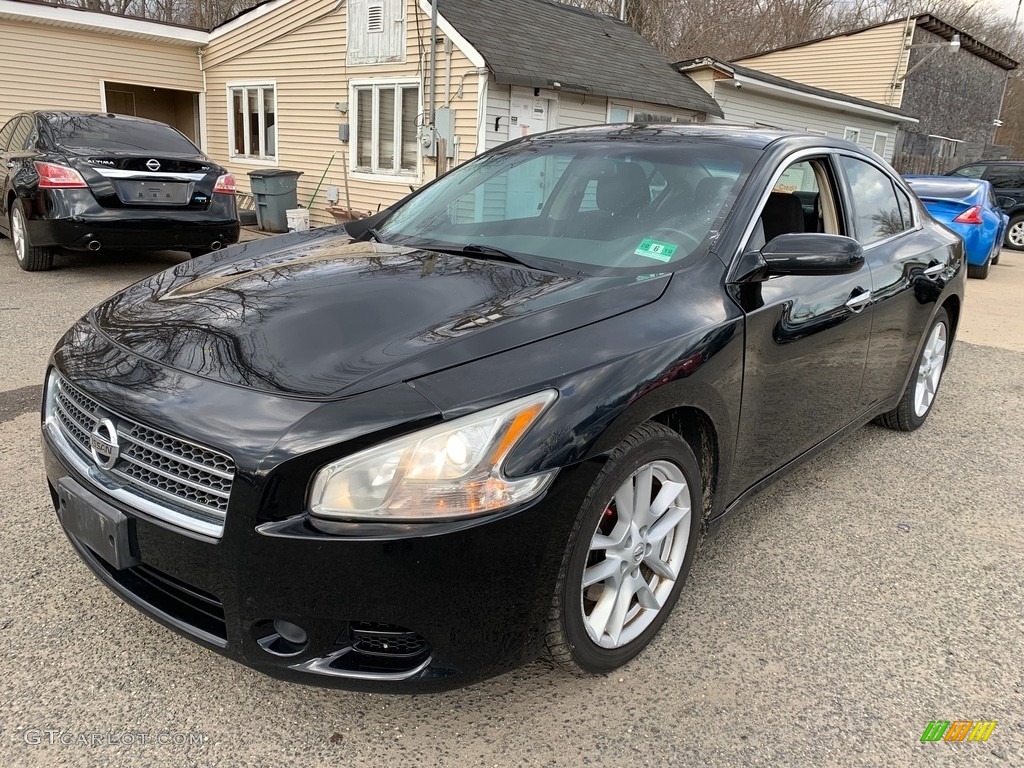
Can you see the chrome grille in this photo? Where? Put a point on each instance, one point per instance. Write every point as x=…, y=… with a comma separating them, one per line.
x=195, y=479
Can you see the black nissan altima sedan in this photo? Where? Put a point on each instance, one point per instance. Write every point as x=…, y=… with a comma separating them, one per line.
x=493, y=420
x=87, y=182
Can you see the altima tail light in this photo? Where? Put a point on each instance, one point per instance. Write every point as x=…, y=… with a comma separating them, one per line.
x=971, y=216
x=225, y=185
x=53, y=176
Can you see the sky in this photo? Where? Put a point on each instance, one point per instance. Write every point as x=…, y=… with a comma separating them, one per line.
x=1005, y=8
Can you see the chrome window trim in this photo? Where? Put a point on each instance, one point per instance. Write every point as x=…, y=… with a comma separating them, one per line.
x=804, y=154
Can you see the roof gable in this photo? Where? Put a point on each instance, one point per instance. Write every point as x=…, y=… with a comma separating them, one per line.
x=545, y=44
x=927, y=21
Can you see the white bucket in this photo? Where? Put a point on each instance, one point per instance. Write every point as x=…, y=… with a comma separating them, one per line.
x=298, y=219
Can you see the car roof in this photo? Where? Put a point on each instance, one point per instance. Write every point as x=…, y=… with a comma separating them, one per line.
x=48, y=113
x=720, y=133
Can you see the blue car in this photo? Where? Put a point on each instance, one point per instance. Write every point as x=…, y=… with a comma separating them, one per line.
x=969, y=208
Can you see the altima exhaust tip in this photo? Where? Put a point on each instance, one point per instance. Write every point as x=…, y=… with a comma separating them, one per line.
x=216, y=245
x=95, y=245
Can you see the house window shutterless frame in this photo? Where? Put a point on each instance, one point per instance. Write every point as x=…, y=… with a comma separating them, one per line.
x=252, y=121
x=385, y=121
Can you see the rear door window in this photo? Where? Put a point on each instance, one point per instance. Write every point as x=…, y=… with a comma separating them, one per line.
x=1006, y=176
x=6, y=132
x=21, y=133
x=876, y=210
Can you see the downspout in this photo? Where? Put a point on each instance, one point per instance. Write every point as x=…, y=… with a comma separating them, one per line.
x=433, y=61
x=481, y=110
x=203, y=142
x=904, y=46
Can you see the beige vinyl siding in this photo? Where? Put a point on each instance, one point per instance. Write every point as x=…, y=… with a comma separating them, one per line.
x=51, y=67
x=574, y=110
x=499, y=105
x=863, y=64
x=300, y=46
x=571, y=110
x=747, y=107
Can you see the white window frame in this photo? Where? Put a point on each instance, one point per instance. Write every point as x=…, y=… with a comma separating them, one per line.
x=617, y=105
x=353, y=100
x=262, y=159
x=677, y=117
x=848, y=130
x=885, y=144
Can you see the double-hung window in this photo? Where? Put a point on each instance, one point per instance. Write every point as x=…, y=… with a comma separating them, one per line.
x=252, y=120
x=386, y=120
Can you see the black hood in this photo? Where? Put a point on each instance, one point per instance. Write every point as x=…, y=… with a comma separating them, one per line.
x=330, y=317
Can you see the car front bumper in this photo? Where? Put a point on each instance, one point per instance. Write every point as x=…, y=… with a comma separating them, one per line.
x=463, y=601
x=71, y=218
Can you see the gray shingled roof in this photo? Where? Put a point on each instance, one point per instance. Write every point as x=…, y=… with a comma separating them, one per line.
x=537, y=43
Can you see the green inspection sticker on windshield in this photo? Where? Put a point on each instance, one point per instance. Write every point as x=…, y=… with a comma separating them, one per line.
x=656, y=249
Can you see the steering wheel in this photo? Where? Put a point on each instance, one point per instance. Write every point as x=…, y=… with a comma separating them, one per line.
x=680, y=233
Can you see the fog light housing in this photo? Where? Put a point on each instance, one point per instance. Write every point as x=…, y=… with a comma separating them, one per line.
x=280, y=638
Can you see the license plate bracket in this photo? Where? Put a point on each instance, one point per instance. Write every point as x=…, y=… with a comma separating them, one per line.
x=154, y=192
x=105, y=530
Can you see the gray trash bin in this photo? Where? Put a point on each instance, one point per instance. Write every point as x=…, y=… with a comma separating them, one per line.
x=274, y=192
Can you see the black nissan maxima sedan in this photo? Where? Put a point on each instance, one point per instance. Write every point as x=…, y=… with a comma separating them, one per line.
x=493, y=420
x=87, y=182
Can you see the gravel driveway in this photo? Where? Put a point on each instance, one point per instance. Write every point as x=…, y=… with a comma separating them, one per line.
x=876, y=589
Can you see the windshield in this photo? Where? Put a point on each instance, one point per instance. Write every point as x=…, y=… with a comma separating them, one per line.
x=111, y=133
x=630, y=199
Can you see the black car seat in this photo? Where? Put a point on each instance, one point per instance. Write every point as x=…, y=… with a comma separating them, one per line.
x=783, y=214
x=624, y=191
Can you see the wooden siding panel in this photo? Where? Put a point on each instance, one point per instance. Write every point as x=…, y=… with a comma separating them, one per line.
x=746, y=107
x=25, y=85
x=863, y=64
x=304, y=53
x=577, y=110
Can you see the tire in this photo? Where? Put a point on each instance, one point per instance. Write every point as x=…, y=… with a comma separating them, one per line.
x=979, y=272
x=575, y=613
x=995, y=258
x=30, y=258
x=1014, y=237
x=931, y=363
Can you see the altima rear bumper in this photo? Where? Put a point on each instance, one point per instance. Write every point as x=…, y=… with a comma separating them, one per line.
x=398, y=611
x=72, y=218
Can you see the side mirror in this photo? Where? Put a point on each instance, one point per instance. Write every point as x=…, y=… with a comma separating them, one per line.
x=1006, y=202
x=812, y=253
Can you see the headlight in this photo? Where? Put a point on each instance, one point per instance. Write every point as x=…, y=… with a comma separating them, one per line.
x=451, y=470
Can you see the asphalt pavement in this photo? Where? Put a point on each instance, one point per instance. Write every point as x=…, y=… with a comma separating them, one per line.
x=878, y=588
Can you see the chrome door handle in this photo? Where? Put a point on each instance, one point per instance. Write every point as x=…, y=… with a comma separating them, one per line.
x=858, y=302
x=934, y=269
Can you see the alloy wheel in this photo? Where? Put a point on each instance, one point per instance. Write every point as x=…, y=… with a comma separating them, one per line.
x=636, y=554
x=1015, y=235
x=18, y=236
x=929, y=371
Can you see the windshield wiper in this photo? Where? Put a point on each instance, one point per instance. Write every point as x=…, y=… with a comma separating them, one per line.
x=374, y=234
x=476, y=249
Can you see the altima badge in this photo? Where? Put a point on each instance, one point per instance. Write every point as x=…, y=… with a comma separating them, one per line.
x=103, y=444
x=153, y=165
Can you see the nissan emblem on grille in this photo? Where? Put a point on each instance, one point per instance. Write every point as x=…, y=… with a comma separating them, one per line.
x=103, y=444
x=153, y=165
x=178, y=480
